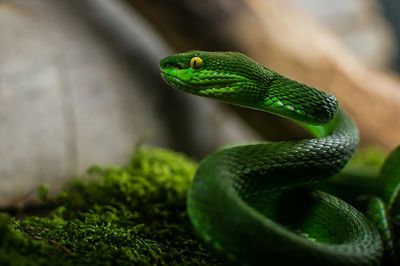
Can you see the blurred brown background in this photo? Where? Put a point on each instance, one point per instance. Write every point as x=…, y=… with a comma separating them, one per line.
x=80, y=84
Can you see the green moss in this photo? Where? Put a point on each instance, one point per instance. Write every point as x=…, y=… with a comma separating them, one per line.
x=370, y=156
x=133, y=215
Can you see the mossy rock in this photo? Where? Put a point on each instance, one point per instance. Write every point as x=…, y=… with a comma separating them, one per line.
x=133, y=215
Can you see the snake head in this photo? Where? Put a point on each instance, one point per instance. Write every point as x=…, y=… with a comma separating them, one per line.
x=220, y=75
x=234, y=78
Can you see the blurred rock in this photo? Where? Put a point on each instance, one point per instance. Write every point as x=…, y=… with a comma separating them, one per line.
x=71, y=96
x=357, y=23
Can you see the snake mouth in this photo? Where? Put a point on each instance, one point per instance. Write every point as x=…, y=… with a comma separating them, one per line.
x=174, y=81
x=209, y=88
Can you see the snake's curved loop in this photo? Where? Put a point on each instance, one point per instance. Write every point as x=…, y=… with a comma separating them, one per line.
x=250, y=202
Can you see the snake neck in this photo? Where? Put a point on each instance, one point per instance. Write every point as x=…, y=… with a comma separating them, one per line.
x=283, y=165
x=295, y=100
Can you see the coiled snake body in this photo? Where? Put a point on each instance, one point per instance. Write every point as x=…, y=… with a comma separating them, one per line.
x=251, y=203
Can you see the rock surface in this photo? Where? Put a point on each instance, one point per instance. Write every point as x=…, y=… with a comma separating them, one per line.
x=71, y=98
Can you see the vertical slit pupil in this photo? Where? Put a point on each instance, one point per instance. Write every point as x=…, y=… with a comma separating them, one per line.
x=195, y=62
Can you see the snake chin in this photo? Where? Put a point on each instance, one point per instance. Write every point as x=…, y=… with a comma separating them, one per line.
x=175, y=82
x=210, y=89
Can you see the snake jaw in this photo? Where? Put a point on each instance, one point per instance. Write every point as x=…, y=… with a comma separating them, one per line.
x=206, y=83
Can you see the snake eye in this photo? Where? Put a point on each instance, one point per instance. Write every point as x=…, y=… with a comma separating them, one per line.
x=196, y=62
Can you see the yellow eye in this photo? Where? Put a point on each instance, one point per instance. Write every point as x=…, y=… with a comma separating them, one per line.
x=196, y=62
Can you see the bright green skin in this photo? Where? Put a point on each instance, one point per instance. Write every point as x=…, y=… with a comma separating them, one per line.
x=249, y=202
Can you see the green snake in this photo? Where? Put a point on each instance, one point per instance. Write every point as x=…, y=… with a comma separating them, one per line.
x=253, y=204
